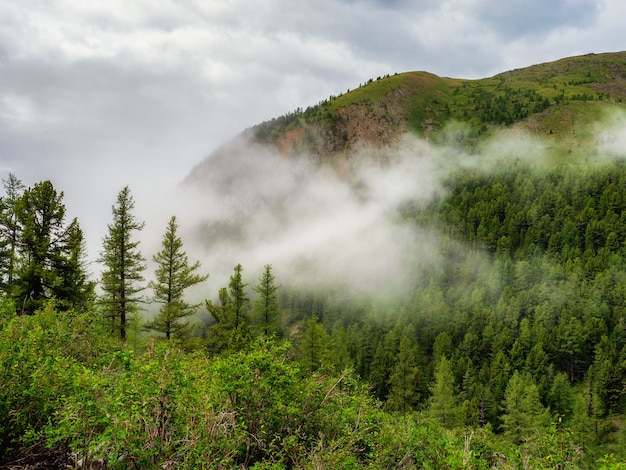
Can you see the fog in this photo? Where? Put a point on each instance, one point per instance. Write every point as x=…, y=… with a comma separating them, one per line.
x=337, y=223
x=315, y=225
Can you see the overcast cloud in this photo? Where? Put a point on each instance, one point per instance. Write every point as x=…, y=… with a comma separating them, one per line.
x=95, y=95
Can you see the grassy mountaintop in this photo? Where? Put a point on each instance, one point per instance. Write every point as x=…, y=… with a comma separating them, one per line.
x=560, y=100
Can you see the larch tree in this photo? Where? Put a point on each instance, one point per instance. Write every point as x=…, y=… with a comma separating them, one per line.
x=240, y=303
x=10, y=230
x=265, y=307
x=75, y=290
x=314, y=350
x=340, y=349
x=443, y=403
x=231, y=329
x=220, y=332
x=524, y=415
x=173, y=276
x=403, y=394
x=123, y=264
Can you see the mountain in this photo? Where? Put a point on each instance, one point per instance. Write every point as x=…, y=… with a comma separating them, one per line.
x=560, y=101
x=286, y=190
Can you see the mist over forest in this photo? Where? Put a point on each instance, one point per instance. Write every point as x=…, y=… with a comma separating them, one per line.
x=422, y=272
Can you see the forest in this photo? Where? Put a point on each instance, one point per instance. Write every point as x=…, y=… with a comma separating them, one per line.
x=509, y=352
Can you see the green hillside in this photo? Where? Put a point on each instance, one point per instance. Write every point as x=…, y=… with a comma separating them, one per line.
x=559, y=100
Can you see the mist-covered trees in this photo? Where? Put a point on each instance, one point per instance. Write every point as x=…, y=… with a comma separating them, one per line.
x=123, y=264
x=173, y=276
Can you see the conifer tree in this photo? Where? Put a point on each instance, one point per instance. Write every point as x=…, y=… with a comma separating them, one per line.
x=239, y=300
x=524, y=415
x=265, y=307
x=173, y=275
x=40, y=213
x=231, y=329
x=75, y=290
x=50, y=253
x=403, y=379
x=123, y=264
x=10, y=230
x=220, y=331
x=443, y=402
x=340, y=349
x=314, y=347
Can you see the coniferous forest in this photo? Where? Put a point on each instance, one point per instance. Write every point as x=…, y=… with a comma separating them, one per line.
x=510, y=353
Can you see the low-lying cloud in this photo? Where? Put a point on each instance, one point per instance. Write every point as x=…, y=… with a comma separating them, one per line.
x=314, y=225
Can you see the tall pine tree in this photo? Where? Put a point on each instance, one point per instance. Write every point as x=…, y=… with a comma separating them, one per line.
x=173, y=275
x=123, y=264
x=314, y=349
x=443, y=403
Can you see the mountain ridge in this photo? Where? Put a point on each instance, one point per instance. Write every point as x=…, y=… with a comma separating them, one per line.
x=561, y=102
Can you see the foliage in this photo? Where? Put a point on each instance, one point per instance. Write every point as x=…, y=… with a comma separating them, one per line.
x=39, y=357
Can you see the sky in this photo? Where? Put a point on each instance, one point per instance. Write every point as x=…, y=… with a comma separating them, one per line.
x=96, y=95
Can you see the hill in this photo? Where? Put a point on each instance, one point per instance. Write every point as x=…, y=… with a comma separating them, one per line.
x=562, y=102
x=561, y=99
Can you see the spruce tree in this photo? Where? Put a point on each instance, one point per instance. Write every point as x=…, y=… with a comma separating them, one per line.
x=524, y=415
x=75, y=290
x=239, y=300
x=340, y=349
x=123, y=264
x=221, y=330
x=173, y=275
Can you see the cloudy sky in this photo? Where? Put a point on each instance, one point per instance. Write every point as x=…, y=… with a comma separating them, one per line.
x=96, y=94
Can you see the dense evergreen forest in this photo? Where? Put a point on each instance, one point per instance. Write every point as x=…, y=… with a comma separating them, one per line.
x=509, y=352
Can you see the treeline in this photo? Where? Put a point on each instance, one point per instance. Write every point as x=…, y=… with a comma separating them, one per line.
x=574, y=215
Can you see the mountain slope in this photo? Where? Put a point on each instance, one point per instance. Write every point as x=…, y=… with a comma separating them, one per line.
x=561, y=100
x=269, y=180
